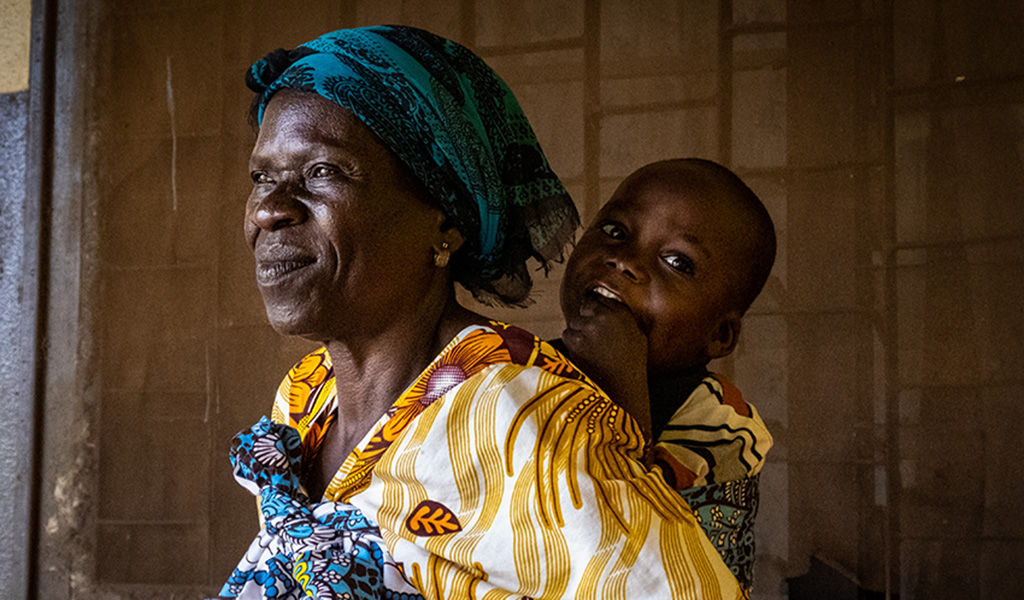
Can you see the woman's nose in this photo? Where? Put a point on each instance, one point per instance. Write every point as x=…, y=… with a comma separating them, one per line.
x=280, y=208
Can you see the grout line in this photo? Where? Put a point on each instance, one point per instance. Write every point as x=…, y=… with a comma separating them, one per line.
x=533, y=47
x=892, y=429
x=657, y=107
x=209, y=384
x=149, y=522
x=174, y=139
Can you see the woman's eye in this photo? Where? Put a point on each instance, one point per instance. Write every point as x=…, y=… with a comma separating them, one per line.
x=259, y=177
x=613, y=230
x=323, y=171
x=679, y=262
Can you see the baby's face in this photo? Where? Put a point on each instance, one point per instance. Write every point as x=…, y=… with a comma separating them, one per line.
x=669, y=259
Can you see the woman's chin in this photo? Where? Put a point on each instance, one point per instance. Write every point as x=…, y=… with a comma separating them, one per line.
x=291, y=322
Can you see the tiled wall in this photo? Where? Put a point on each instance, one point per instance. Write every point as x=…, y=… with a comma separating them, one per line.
x=959, y=123
x=885, y=352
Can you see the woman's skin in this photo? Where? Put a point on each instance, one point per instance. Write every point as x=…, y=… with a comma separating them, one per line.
x=344, y=241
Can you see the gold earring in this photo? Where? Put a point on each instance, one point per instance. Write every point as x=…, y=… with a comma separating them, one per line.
x=442, y=256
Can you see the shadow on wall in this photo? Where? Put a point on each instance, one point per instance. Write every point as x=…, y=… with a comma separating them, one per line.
x=828, y=581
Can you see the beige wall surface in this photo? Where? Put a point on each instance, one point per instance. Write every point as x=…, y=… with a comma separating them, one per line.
x=885, y=354
x=15, y=32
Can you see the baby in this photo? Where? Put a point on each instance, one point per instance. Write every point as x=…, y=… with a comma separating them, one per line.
x=655, y=289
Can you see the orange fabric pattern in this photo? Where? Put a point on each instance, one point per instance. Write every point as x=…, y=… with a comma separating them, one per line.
x=307, y=398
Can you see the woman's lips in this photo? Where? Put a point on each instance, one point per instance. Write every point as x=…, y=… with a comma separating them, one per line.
x=269, y=272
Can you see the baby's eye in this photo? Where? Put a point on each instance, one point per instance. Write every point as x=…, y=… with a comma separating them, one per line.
x=614, y=230
x=679, y=262
x=260, y=177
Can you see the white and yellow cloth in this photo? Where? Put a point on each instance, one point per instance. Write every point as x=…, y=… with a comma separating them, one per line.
x=503, y=472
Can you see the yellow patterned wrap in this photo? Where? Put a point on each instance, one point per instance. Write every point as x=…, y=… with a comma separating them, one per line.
x=521, y=481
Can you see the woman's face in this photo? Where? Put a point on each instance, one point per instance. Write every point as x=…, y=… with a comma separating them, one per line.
x=342, y=235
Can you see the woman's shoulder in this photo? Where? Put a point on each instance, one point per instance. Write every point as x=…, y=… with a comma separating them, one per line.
x=306, y=395
x=528, y=350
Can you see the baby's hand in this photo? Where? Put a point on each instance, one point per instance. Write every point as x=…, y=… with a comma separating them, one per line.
x=606, y=342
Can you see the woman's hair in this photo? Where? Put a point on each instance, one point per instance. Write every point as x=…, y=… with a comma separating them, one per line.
x=457, y=127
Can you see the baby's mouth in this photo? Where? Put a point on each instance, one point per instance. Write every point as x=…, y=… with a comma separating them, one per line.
x=602, y=291
x=601, y=298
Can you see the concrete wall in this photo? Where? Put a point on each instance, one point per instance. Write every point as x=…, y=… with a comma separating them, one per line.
x=17, y=295
x=885, y=352
x=17, y=329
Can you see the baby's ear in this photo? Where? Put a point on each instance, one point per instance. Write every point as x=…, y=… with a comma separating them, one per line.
x=724, y=338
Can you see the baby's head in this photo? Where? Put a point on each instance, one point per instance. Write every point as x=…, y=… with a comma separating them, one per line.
x=685, y=246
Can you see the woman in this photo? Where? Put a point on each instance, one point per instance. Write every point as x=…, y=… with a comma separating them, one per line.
x=390, y=163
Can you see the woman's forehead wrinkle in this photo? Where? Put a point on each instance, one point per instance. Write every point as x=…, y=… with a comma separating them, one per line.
x=309, y=126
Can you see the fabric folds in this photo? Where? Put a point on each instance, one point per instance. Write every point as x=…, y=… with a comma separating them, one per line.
x=322, y=551
x=503, y=471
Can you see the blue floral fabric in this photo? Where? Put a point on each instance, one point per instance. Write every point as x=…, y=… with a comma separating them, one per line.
x=726, y=512
x=458, y=127
x=322, y=551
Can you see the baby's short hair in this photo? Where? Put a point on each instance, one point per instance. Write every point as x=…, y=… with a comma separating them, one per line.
x=720, y=183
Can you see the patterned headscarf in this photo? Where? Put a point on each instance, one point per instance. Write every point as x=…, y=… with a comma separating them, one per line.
x=457, y=126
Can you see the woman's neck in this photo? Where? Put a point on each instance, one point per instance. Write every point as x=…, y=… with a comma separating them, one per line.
x=371, y=372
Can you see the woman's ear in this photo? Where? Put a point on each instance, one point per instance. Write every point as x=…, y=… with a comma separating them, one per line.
x=448, y=243
x=725, y=337
x=449, y=234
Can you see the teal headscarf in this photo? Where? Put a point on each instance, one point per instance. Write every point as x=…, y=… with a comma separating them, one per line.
x=457, y=126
